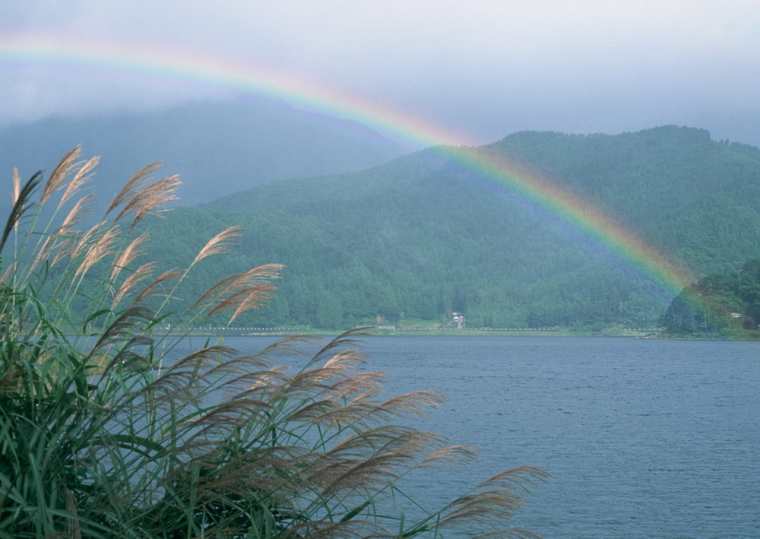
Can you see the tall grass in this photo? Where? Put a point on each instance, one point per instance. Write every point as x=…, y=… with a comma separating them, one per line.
x=117, y=434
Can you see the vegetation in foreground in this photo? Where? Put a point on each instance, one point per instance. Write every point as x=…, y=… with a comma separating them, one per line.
x=120, y=435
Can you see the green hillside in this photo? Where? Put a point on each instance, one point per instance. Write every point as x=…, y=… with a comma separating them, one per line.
x=424, y=235
x=722, y=303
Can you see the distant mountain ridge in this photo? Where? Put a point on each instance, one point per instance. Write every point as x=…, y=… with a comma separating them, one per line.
x=423, y=235
x=218, y=147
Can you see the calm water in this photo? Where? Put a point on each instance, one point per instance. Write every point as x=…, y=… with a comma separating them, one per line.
x=642, y=438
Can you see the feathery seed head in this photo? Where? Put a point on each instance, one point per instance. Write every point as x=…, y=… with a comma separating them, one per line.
x=59, y=174
x=218, y=244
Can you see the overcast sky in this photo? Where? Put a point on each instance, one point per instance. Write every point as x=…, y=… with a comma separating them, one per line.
x=487, y=68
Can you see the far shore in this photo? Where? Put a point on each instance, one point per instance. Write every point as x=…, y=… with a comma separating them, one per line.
x=387, y=331
x=430, y=332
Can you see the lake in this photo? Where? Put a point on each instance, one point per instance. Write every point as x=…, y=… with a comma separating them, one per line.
x=643, y=438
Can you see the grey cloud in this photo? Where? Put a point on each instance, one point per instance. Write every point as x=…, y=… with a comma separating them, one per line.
x=486, y=67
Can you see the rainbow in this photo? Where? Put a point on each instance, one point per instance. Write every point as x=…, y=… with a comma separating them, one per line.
x=174, y=63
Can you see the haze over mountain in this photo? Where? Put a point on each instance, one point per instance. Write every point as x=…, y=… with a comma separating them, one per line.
x=219, y=147
x=423, y=234
x=485, y=68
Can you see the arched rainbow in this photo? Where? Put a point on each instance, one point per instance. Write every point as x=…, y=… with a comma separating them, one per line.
x=218, y=70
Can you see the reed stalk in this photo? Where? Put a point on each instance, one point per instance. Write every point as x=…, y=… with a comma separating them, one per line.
x=127, y=434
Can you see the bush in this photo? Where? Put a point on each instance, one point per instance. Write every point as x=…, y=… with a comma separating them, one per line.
x=107, y=431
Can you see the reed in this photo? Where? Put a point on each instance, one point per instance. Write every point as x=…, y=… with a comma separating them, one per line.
x=119, y=435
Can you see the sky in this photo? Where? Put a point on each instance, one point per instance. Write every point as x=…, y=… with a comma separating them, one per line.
x=484, y=68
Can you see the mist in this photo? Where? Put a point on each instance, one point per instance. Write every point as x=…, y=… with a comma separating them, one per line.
x=483, y=68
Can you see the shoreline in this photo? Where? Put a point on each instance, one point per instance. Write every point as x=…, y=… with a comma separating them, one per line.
x=481, y=332
x=422, y=332
x=617, y=332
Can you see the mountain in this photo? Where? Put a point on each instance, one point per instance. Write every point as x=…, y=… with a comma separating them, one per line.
x=218, y=147
x=424, y=235
x=725, y=304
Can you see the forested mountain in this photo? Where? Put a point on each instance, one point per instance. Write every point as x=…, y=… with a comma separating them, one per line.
x=218, y=147
x=424, y=235
x=721, y=303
